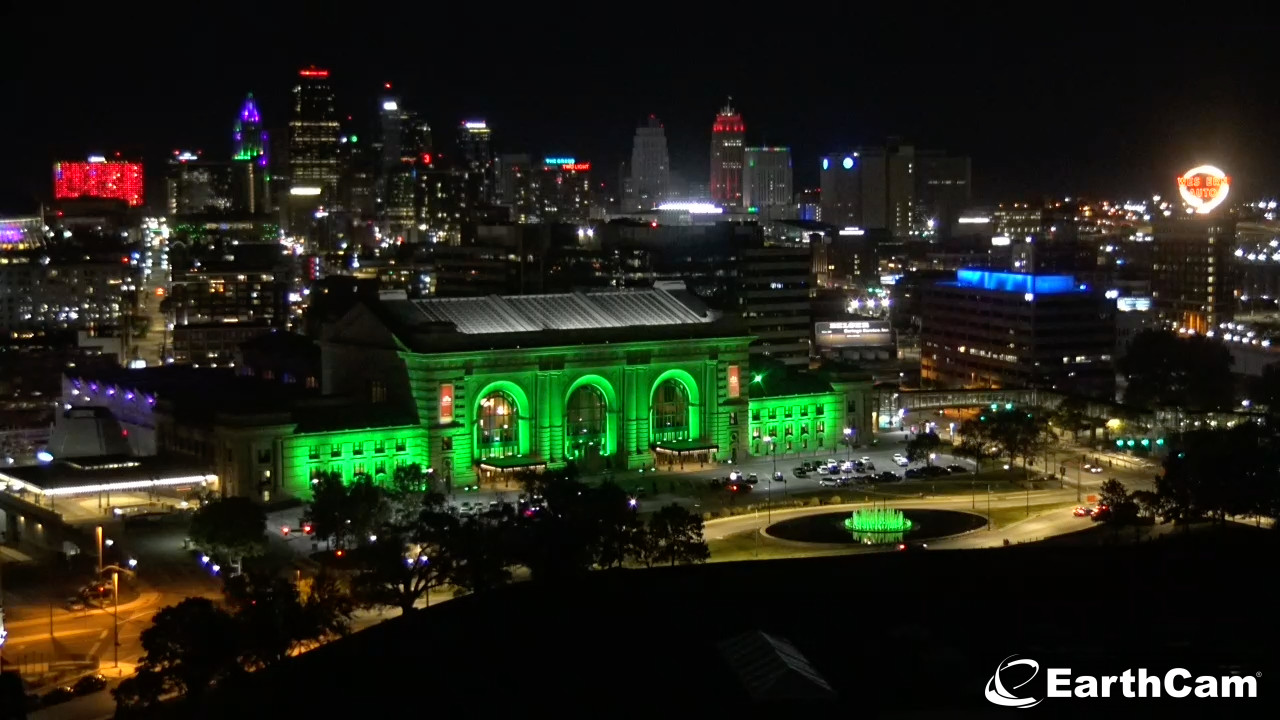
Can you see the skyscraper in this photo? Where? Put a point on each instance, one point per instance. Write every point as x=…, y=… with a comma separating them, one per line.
x=313, y=136
x=766, y=179
x=398, y=153
x=476, y=149
x=650, y=167
x=726, y=157
x=250, y=140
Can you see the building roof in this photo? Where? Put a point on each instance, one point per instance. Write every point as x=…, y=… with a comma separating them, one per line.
x=80, y=476
x=566, y=311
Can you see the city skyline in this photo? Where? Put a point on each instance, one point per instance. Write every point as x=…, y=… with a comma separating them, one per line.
x=1059, y=122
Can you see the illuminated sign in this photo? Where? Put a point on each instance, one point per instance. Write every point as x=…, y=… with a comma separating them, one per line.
x=475, y=125
x=695, y=208
x=735, y=382
x=390, y=106
x=558, y=161
x=98, y=178
x=576, y=167
x=1133, y=304
x=1000, y=241
x=854, y=333
x=1204, y=188
x=973, y=220
x=446, y=403
x=307, y=191
x=313, y=73
x=853, y=231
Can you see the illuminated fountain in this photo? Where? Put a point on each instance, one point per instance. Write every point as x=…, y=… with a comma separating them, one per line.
x=877, y=525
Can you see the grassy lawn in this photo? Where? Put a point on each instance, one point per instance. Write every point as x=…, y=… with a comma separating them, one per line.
x=1001, y=517
x=750, y=545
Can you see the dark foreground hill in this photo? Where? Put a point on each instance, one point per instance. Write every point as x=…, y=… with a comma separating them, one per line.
x=917, y=633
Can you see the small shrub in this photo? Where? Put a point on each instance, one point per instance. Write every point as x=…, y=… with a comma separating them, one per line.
x=814, y=501
x=706, y=516
x=833, y=500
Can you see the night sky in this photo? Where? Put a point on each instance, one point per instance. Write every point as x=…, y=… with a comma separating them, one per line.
x=1041, y=108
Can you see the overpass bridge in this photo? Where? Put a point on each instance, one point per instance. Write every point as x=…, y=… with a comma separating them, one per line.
x=895, y=403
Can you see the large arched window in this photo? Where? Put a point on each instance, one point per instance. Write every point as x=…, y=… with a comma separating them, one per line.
x=499, y=425
x=670, y=419
x=586, y=420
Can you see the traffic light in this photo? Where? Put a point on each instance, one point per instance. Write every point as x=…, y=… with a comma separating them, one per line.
x=982, y=418
x=1160, y=441
x=1146, y=442
x=1008, y=406
x=994, y=407
x=1119, y=443
x=1130, y=442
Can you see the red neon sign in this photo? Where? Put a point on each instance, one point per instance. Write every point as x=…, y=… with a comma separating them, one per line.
x=576, y=167
x=446, y=403
x=110, y=180
x=314, y=73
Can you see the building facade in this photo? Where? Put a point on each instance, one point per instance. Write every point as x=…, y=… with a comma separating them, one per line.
x=1191, y=271
x=727, y=157
x=990, y=329
x=766, y=179
x=650, y=179
x=776, y=284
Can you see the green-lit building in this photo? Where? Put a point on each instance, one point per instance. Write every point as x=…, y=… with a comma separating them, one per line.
x=476, y=387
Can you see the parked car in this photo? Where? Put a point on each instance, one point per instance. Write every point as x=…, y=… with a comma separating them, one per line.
x=1095, y=469
x=901, y=461
x=1081, y=511
x=864, y=459
x=913, y=473
x=958, y=468
x=935, y=471
x=809, y=465
x=57, y=696
x=800, y=472
x=89, y=684
x=753, y=479
x=739, y=487
x=735, y=475
x=846, y=466
x=888, y=476
x=75, y=603
x=829, y=481
x=779, y=477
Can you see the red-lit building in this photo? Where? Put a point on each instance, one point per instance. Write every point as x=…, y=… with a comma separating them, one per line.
x=564, y=192
x=726, y=158
x=98, y=178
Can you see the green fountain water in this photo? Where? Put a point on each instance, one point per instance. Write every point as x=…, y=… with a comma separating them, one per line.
x=877, y=520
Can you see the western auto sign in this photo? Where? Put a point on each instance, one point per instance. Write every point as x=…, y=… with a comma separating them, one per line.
x=735, y=382
x=1204, y=188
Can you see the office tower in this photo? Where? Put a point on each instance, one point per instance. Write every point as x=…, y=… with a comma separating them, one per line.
x=766, y=179
x=650, y=168
x=726, y=157
x=98, y=178
x=475, y=148
x=564, y=190
x=775, y=284
x=222, y=298
x=226, y=188
x=1016, y=330
x=515, y=190
x=893, y=188
x=398, y=153
x=249, y=139
x=943, y=187
x=1191, y=271
x=313, y=146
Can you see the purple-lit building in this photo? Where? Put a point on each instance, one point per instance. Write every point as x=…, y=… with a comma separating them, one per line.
x=21, y=233
x=989, y=329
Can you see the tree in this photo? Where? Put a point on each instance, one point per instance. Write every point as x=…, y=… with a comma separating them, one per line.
x=974, y=441
x=346, y=514
x=1164, y=369
x=277, y=618
x=675, y=536
x=482, y=554
x=923, y=447
x=188, y=647
x=1017, y=433
x=1072, y=415
x=407, y=561
x=618, y=531
x=232, y=528
x=411, y=478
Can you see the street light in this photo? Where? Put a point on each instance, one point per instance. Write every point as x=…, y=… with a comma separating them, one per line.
x=848, y=441
x=115, y=607
x=772, y=450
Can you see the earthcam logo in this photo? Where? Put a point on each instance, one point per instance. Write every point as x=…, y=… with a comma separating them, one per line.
x=1174, y=683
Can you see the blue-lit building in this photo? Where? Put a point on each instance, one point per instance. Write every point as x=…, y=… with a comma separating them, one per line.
x=1000, y=329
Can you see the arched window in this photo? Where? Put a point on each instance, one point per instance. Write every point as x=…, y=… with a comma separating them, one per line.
x=670, y=418
x=586, y=420
x=499, y=425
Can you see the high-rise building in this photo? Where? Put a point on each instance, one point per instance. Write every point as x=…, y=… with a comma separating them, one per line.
x=1191, y=271
x=726, y=157
x=515, y=186
x=399, y=152
x=893, y=188
x=650, y=168
x=313, y=143
x=766, y=179
x=475, y=148
x=564, y=190
x=1016, y=330
x=98, y=178
x=196, y=186
x=775, y=284
x=249, y=139
x=943, y=187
